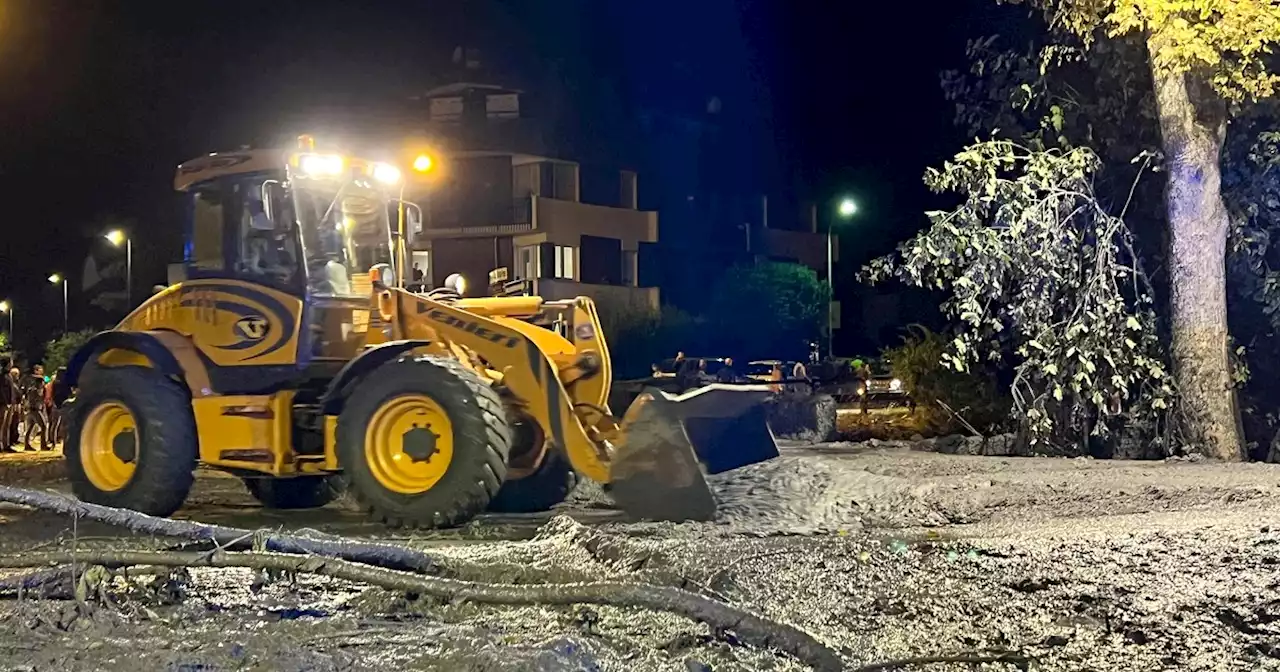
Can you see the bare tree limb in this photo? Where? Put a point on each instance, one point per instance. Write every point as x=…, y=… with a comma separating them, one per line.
x=382, y=555
x=747, y=626
x=1019, y=661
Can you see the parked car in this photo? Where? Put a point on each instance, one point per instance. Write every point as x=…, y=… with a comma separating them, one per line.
x=879, y=386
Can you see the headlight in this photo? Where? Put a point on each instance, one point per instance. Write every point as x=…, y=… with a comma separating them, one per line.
x=456, y=283
x=895, y=385
x=322, y=165
x=386, y=173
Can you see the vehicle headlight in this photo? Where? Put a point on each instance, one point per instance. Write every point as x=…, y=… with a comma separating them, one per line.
x=895, y=385
x=456, y=283
x=322, y=164
x=386, y=173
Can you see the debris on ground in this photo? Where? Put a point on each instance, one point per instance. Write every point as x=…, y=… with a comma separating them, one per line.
x=878, y=550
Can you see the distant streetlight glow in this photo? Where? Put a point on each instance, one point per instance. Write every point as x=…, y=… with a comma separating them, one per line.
x=6, y=307
x=423, y=163
x=118, y=237
x=57, y=279
x=847, y=208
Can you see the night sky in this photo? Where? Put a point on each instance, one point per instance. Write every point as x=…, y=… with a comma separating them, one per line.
x=100, y=101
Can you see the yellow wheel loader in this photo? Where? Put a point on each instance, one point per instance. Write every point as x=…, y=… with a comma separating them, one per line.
x=289, y=353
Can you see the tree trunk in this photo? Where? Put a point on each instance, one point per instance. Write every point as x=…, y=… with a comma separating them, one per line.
x=1193, y=124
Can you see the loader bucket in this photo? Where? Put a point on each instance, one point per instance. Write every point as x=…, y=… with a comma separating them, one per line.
x=668, y=443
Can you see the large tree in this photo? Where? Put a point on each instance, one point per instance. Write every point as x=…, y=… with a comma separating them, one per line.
x=1204, y=57
x=770, y=309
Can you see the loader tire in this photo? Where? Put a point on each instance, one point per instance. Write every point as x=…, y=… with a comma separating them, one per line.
x=303, y=492
x=131, y=441
x=423, y=442
x=549, y=485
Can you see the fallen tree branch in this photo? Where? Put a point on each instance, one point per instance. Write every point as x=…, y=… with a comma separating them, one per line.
x=1019, y=661
x=746, y=626
x=382, y=555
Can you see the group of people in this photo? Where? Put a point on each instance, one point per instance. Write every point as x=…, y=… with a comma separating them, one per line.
x=30, y=404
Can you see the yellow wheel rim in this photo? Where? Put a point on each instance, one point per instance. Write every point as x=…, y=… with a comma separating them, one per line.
x=408, y=444
x=109, y=446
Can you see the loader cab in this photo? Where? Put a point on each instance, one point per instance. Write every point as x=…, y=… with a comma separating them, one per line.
x=307, y=224
x=311, y=225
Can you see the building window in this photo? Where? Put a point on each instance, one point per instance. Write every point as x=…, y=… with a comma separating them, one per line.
x=446, y=109
x=564, y=262
x=527, y=268
x=420, y=271
x=502, y=106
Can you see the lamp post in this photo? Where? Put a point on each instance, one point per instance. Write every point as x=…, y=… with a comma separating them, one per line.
x=117, y=237
x=57, y=279
x=846, y=209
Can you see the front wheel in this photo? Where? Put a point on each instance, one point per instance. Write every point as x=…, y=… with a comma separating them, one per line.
x=131, y=441
x=546, y=487
x=423, y=442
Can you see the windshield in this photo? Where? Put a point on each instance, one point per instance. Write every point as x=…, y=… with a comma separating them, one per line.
x=345, y=231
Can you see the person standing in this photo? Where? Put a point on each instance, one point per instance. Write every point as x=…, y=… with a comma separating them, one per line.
x=726, y=374
x=8, y=398
x=33, y=416
x=50, y=413
x=13, y=409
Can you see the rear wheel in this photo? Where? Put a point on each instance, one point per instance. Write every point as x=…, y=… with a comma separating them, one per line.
x=131, y=441
x=302, y=492
x=423, y=442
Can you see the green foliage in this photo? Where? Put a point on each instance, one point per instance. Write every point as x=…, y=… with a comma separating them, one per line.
x=1252, y=194
x=1041, y=276
x=640, y=336
x=1224, y=42
x=1060, y=95
x=58, y=351
x=917, y=362
x=769, y=309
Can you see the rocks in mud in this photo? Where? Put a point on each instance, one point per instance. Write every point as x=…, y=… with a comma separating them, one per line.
x=803, y=417
x=1000, y=445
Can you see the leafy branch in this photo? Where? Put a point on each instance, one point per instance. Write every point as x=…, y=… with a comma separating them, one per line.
x=1041, y=274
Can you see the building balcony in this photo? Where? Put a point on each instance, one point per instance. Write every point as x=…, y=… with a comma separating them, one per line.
x=611, y=297
x=558, y=221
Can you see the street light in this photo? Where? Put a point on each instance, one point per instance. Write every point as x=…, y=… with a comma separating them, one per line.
x=423, y=163
x=116, y=237
x=6, y=307
x=847, y=208
x=57, y=279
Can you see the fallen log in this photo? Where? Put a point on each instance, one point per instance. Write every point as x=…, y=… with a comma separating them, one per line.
x=745, y=625
x=231, y=538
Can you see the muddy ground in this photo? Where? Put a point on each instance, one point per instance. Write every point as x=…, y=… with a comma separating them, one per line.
x=880, y=551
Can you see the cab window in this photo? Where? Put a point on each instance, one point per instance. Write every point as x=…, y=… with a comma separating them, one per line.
x=207, y=228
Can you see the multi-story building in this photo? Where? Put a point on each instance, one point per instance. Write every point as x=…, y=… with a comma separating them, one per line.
x=503, y=201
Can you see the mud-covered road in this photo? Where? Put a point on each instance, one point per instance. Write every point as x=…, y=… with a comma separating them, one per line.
x=879, y=551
